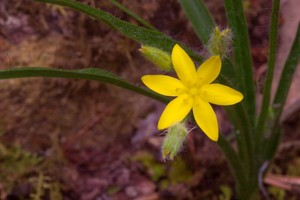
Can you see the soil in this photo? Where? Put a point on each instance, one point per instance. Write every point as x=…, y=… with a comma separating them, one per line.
x=75, y=139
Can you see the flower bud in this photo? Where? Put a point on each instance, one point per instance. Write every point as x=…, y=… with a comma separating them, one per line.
x=219, y=42
x=173, y=141
x=157, y=56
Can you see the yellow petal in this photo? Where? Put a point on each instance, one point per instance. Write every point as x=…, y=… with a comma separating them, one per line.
x=165, y=85
x=220, y=94
x=175, y=111
x=206, y=119
x=183, y=66
x=209, y=70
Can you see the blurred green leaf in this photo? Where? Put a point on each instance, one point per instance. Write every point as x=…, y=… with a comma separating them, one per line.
x=15, y=163
x=200, y=18
x=179, y=172
x=132, y=14
x=289, y=68
x=155, y=169
x=278, y=193
x=55, y=191
x=226, y=192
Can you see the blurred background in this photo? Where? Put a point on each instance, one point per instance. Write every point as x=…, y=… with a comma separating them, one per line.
x=76, y=139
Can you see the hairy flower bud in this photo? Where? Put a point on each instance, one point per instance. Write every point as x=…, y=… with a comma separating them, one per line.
x=157, y=56
x=173, y=141
x=219, y=42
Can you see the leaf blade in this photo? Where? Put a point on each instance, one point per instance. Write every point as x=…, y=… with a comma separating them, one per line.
x=285, y=81
x=290, y=66
x=235, y=164
x=271, y=64
x=200, y=18
x=241, y=49
x=132, y=14
x=87, y=74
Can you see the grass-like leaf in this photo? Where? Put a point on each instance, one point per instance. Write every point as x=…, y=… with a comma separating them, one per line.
x=271, y=64
x=235, y=164
x=200, y=18
x=243, y=66
x=241, y=49
x=87, y=74
x=133, y=15
x=293, y=60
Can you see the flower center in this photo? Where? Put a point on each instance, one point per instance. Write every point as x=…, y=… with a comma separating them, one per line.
x=193, y=91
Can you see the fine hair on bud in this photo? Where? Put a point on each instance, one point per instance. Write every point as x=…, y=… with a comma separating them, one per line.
x=220, y=42
x=174, y=140
x=157, y=56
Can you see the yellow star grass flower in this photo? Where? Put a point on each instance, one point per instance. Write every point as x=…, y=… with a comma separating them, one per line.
x=193, y=90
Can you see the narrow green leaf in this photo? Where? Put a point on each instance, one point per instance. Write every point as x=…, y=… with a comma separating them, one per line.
x=285, y=81
x=242, y=56
x=271, y=146
x=200, y=18
x=271, y=64
x=139, y=34
x=293, y=60
x=87, y=74
x=235, y=165
x=133, y=15
x=243, y=66
x=239, y=118
x=237, y=115
x=228, y=73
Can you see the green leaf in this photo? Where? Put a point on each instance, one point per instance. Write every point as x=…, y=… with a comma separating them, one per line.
x=239, y=118
x=243, y=66
x=271, y=64
x=228, y=76
x=235, y=165
x=289, y=68
x=200, y=18
x=133, y=15
x=139, y=34
x=87, y=74
x=293, y=60
x=237, y=115
x=241, y=50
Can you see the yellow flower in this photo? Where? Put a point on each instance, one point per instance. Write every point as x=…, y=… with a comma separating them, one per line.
x=193, y=90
